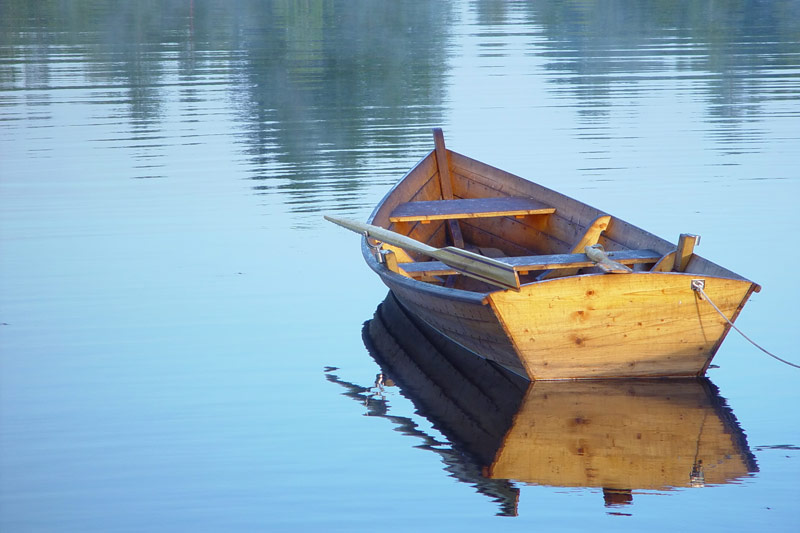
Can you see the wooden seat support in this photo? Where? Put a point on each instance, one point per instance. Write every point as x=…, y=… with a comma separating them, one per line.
x=678, y=259
x=536, y=262
x=446, y=184
x=589, y=237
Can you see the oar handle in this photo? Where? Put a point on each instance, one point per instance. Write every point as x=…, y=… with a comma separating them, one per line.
x=468, y=263
x=383, y=235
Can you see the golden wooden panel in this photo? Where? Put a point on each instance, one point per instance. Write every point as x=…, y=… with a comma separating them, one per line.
x=639, y=324
x=468, y=208
x=542, y=262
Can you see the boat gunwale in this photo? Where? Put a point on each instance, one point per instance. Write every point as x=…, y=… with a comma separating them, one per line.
x=452, y=293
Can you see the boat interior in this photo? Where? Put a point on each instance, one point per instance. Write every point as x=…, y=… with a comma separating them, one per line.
x=448, y=199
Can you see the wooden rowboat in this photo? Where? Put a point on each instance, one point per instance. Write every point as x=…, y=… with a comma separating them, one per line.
x=543, y=284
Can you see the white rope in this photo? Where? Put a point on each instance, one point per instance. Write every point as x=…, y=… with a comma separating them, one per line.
x=699, y=289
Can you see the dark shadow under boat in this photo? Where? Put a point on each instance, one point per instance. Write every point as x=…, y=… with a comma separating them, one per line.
x=618, y=435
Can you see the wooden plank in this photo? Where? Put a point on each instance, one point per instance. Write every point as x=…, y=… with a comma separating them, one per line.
x=455, y=233
x=686, y=244
x=664, y=264
x=446, y=183
x=442, y=163
x=538, y=262
x=390, y=260
x=592, y=234
x=507, y=184
x=551, y=234
x=589, y=238
x=428, y=190
x=421, y=178
x=400, y=255
x=474, y=178
x=520, y=236
x=476, y=235
x=468, y=208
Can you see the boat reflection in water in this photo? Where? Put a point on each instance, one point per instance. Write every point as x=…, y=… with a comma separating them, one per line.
x=617, y=435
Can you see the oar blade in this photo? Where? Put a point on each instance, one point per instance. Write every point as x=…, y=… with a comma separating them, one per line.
x=480, y=267
x=383, y=235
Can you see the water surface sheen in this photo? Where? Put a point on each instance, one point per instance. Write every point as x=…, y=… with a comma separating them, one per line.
x=181, y=332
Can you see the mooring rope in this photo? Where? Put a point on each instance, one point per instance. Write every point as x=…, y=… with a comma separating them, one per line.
x=699, y=289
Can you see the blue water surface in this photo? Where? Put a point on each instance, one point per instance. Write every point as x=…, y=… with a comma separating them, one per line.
x=172, y=304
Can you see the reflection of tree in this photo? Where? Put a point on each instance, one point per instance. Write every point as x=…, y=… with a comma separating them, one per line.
x=308, y=78
x=322, y=86
x=337, y=74
x=731, y=50
x=729, y=47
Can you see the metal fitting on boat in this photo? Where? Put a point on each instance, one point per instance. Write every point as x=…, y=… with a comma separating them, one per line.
x=376, y=248
x=698, y=285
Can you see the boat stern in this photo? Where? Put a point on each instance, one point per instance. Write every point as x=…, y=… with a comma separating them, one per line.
x=627, y=325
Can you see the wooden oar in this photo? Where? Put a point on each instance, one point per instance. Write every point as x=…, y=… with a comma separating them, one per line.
x=470, y=264
x=597, y=253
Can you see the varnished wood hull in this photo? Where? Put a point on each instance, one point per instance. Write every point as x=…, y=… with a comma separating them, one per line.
x=604, y=326
x=584, y=325
x=587, y=327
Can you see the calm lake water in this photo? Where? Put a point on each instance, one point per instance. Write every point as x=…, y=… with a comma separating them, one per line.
x=181, y=333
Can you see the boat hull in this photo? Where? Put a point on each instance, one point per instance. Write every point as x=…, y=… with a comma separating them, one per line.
x=585, y=327
x=469, y=321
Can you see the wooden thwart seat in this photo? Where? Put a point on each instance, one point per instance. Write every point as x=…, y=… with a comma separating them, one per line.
x=468, y=208
x=536, y=262
x=590, y=236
